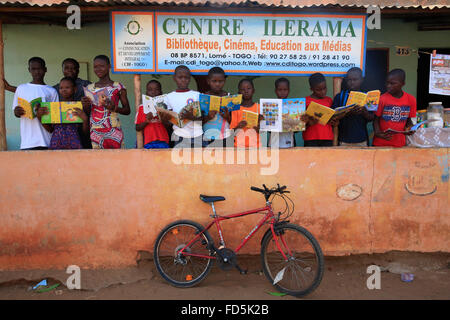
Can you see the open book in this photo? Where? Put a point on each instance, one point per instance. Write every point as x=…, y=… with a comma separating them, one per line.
x=324, y=114
x=282, y=115
x=150, y=103
x=175, y=117
x=370, y=99
x=61, y=112
x=412, y=129
x=216, y=103
x=251, y=118
x=29, y=107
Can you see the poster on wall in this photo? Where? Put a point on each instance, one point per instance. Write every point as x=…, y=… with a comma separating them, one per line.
x=132, y=42
x=246, y=43
x=440, y=74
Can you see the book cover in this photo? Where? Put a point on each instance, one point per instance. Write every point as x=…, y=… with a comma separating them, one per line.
x=372, y=100
x=29, y=107
x=271, y=109
x=175, y=117
x=98, y=97
x=356, y=97
x=293, y=109
x=251, y=118
x=209, y=102
x=320, y=112
x=339, y=111
x=231, y=102
x=61, y=112
x=150, y=103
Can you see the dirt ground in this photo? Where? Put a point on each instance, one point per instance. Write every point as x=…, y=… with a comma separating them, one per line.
x=345, y=278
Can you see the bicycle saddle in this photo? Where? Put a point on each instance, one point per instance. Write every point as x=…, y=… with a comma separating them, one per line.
x=209, y=199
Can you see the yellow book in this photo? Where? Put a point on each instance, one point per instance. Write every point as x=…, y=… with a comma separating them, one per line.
x=369, y=99
x=251, y=118
x=358, y=98
x=320, y=112
x=29, y=107
x=214, y=103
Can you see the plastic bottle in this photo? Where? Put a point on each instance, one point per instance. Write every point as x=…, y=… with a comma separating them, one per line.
x=435, y=111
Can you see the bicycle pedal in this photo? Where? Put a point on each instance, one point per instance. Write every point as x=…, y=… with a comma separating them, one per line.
x=240, y=270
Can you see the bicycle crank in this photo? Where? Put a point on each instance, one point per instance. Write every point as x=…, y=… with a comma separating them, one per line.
x=226, y=258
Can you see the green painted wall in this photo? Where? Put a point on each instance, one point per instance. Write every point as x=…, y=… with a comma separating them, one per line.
x=56, y=43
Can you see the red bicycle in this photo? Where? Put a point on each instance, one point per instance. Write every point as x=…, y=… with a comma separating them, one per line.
x=291, y=257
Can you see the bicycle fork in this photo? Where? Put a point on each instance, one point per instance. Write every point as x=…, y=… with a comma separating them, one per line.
x=277, y=243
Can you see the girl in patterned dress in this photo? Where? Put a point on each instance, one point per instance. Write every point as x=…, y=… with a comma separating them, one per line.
x=65, y=135
x=103, y=97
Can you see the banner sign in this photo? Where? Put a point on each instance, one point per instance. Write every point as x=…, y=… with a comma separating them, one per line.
x=132, y=42
x=440, y=74
x=253, y=43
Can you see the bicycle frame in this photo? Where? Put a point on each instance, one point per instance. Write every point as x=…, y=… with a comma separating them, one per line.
x=269, y=215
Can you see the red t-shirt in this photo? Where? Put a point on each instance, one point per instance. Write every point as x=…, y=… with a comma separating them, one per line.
x=154, y=131
x=319, y=131
x=393, y=114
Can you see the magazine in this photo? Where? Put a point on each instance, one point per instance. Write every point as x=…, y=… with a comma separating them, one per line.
x=175, y=117
x=282, y=115
x=61, y=112
x=29, y=107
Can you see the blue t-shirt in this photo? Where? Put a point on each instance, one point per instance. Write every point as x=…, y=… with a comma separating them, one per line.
x=352, y=128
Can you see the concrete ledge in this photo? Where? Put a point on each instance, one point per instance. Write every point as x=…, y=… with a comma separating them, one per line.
x=97, y=209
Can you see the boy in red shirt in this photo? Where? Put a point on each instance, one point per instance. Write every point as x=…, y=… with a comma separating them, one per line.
x=155, y=134
x=395, y=110
x=316, y=134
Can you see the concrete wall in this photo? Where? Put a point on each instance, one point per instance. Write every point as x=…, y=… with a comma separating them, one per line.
x=55, y=43
x=97, y=209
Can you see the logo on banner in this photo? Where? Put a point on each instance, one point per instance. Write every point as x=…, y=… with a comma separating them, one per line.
x=133, y=27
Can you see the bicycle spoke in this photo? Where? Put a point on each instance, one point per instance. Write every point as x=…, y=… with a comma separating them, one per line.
x=302, y=269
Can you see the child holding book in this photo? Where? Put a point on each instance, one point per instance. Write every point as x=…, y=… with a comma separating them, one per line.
x=155, y=134
x=65, y=135
x=246, y=137
x=395, y=110
x=316, y=134
x=352, y=127
x=176, y=101
x=216, y=126
x=32, y=134
x=106, y=132
x=282, y=139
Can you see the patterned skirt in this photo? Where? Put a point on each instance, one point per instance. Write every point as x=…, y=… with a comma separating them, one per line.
x=106, y=138
x=65, y=136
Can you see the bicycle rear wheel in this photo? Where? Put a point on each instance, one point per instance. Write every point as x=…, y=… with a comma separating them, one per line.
x=178, y=269
x=302, y=272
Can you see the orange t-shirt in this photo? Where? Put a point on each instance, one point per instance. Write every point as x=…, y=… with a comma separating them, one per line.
x=243, y=139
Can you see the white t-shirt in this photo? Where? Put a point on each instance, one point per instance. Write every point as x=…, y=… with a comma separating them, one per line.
x=176, y=101
x=282, y=139
x=32, y=133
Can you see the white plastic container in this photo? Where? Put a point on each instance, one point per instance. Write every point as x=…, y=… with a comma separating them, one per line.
x=435, y=111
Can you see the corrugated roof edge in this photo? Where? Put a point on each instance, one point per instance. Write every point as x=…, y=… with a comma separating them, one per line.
x=45, y=3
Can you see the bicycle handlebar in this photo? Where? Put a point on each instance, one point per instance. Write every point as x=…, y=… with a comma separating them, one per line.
x=267, y=192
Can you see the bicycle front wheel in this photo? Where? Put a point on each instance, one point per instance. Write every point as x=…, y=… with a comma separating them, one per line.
x=301, y=271
x=178, y=269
